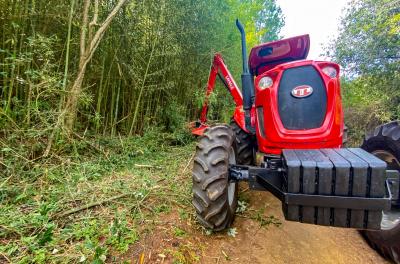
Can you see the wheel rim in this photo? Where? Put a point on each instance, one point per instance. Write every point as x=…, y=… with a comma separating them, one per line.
x=390, y=219
x=232, y=185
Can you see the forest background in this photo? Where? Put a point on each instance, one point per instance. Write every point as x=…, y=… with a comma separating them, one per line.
x=87, y=86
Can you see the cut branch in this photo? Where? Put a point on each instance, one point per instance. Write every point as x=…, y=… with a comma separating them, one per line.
x=90, y=205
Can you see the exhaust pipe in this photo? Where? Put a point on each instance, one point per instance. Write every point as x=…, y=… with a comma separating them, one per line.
x=247, y=81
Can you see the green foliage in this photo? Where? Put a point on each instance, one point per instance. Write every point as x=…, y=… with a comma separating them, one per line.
x=30, y=230
x=369, y=38
x=241, y=207
x=368, y=50
x=270, y=21
x=141, y=87
x=221, y=105
x=122, y=234
x=232, y=232
x=179, y=232
x=31, y=88
x=155, y=55
x=266, y=221
x=366, y=107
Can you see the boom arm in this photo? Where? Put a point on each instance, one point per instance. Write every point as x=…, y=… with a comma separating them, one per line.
x=220, y=69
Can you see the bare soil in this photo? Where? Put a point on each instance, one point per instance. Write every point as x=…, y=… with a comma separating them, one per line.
x=177, y=240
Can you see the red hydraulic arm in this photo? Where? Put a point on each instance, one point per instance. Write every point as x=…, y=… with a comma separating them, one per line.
x=219, y=68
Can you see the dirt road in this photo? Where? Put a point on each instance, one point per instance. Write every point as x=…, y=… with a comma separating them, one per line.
x=178, y=240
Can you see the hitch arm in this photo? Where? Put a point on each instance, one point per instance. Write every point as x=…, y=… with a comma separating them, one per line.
x=220, y=69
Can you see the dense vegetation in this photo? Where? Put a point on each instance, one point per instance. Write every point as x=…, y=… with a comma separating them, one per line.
x=152, y=60
x=95, y=95
x=113, y=67
x=94, y=98
x=368, y=49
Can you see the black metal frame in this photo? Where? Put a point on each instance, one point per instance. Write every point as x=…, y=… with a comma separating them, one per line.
x=272, y=180
x=247, y=81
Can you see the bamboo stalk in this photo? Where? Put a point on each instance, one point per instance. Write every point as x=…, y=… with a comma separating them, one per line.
x=142, y=88
x=68, y=44
x=100, y=95
x=114, y=126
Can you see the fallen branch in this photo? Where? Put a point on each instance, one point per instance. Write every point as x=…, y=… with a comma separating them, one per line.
x=90, y=205
x=182, y=174
x=11, y=230
x=189, y=162
x=5, y=181
x=5, y=257
x=147, y=166
x=1, y=163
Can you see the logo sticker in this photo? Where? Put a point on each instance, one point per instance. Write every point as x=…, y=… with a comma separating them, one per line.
x=302, y=91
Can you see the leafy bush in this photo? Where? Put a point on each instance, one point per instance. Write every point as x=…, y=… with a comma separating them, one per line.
x=367, y=49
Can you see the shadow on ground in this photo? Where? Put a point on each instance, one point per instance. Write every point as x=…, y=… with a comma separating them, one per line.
x=177, y=239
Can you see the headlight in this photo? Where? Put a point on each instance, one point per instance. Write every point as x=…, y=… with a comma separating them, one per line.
x=330, y=71
x=265, y=83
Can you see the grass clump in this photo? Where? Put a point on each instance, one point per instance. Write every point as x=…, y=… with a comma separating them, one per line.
x=88, y=202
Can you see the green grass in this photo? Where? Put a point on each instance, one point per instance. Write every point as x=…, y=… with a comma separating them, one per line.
x=130, y=179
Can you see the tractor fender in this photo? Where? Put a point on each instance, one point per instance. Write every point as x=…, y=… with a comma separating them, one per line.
x=238, y=116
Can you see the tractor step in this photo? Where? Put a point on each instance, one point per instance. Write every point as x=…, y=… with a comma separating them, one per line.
x=335, y=187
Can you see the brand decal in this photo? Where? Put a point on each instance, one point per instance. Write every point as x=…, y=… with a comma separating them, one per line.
x=302, y=91
x=229, y=82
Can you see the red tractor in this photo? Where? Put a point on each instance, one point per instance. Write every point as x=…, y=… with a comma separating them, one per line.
x=289, y=115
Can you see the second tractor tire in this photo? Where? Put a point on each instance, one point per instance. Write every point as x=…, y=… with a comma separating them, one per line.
x=245, y=143
x=384, y=142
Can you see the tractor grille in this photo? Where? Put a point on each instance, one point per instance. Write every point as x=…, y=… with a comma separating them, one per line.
x=302, y=113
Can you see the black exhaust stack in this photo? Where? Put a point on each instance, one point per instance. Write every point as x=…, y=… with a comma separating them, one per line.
x=247, y=81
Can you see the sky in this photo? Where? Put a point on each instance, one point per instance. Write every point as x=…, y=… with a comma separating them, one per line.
x=318, y=18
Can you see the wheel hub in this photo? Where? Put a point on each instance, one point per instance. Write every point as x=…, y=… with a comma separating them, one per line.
x=390, y=219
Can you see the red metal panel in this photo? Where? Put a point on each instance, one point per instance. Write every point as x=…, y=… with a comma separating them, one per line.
x=268, y=55
x=277, y=137
x=219, y=66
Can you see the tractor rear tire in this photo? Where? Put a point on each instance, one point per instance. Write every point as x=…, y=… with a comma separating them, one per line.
x=214, y=197
x=245, y=145
x=384, y=142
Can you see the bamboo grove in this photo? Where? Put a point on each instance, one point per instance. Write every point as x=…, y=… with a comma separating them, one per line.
x=149, y=68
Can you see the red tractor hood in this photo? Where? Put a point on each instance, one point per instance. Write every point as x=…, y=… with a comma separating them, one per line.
x=266, y=56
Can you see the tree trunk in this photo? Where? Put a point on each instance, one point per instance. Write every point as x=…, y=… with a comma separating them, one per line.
x=72, y=101
x=86, y=53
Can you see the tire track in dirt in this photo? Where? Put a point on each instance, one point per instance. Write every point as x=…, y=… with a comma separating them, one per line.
x=289, y=243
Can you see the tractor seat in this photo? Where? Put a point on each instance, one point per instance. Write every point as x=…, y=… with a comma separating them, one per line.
x=268, y=55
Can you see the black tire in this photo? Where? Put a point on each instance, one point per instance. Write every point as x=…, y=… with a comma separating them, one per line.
x=245, y=145
x=385, y=139
x=214, y=198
